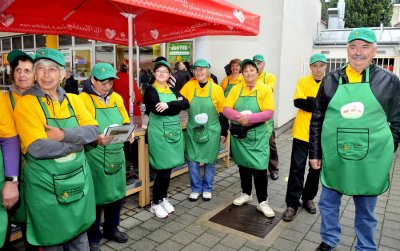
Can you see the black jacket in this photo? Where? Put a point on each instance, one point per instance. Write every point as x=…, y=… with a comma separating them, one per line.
x=384, y=85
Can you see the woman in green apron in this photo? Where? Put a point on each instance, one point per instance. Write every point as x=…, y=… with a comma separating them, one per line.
x=249, y=106
x=106, y=161
x=9, y=168
x=53, y=127
x=234, y=78
x=203, y=130
x=164, y=134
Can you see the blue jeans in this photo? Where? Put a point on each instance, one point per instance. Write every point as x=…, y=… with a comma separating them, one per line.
x=364, y=222
x=198, y=183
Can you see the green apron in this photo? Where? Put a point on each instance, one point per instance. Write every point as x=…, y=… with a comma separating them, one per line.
x=252, y=151
x=59, y=193
x=228, y=88
x=107, y=163
x=357, y=144
x=165, y=137
x=20, y=214
x=202, y=140
x=3, y=212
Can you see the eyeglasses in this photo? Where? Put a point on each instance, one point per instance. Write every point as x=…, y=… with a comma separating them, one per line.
x=199, y=69
x=162, y=72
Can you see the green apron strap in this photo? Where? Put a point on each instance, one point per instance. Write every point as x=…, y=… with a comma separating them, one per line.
x=12, y=99
x=46, y=111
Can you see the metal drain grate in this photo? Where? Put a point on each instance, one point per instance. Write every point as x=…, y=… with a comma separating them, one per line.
x=247, y=219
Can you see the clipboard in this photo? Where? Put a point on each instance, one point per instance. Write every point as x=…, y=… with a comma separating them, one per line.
x=121, y=133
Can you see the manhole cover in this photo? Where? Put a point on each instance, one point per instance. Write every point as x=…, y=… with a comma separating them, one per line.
x=246, y=218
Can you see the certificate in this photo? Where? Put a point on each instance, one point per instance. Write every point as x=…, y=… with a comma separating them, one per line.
x=120, y=133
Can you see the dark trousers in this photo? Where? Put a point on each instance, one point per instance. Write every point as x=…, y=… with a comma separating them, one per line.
x=273, y=155
x=161, y=184
x=260, y=182
x=296, y=187
x=111, y=221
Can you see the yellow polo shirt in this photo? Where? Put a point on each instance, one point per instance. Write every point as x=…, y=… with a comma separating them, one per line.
x=265, y=97
x=268, y=79
x=217, y=94
x=306, y=87
x=7, y=125
x=30, y=118
x=229, y=80
x=115, y=98
x=8, y=99
x=353, y=76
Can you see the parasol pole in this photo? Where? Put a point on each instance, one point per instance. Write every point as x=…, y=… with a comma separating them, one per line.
x=130, y=56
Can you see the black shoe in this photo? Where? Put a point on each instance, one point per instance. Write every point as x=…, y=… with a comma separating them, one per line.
x=289, y=214
x=309, y=206
x=118, y=236
x=94, y=246
x=274, y=176
x=324, y=247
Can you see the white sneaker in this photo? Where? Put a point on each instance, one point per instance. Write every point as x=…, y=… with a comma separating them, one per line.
x=243, y=198
x=194, y=196
x=167, y=206
x=158, y=210
x=207, y=196
x=265, y=209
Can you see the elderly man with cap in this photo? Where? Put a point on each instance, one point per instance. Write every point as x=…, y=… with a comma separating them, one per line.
x=304, y=97
x=355, y=129
x=106, y=161
x=206, y=128
x=22, y=75
x=53, y=128
x=269, y=80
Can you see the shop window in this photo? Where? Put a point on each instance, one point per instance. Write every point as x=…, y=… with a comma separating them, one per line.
x=387, y=63
x=6, y=42
x=40, y=41
x=64, y=40
x=28, y=42
x=105, y=54
x=82, y=64
x=79, y=40
x=17, y=43
x=335, y=63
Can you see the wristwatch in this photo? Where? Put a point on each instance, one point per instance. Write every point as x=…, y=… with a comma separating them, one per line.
x=13, y=179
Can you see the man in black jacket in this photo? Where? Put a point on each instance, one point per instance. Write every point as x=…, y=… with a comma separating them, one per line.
x=355, y=129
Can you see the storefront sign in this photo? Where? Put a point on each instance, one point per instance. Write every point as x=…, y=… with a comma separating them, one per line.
x=179, y=51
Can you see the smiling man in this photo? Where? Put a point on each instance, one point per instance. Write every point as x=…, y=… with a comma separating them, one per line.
x=355, y=146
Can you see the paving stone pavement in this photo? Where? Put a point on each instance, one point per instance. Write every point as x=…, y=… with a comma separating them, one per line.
x=189, y=229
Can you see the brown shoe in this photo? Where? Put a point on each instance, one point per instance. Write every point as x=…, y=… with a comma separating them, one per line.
x=289, y=214
x=309, y=206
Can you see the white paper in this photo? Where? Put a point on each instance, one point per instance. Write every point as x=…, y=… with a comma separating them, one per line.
x=120, y=133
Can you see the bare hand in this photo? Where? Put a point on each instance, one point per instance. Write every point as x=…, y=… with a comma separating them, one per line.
x=54, y=133
x=131, y=137
x=222, y=139
x=10, y=194
x=242, y=119
x=104, y=140
x=315, y=164
x=162, y=106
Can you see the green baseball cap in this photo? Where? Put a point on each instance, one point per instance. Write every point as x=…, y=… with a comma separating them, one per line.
x=366, y=34
x=103, y=71
x=162, y=62
x=318, y=57
x=259, y=58
x=18, y=53
x=51, y=54
x=201, y=63
x=246, y=62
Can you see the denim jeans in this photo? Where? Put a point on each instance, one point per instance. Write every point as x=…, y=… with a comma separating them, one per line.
x=364, y=222
x=198, y=183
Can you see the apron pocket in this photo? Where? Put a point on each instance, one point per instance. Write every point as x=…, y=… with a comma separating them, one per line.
x=250, y=139
x=69, y=187
x=172, y=131
x=352, y=143
x=200, y=134
x=113, y=160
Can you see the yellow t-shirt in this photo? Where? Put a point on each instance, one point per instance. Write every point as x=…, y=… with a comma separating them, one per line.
x=353, y=76
x=8, y=100
x=115, y=98
x=217, y=94
x=306, y=87
x=265, y=97
x=229, y=80
x=268, y=78
x=30, y=118
x=7, y=125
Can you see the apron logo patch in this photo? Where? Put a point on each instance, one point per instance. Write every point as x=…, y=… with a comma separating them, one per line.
x=65, y=195
x=352, y=110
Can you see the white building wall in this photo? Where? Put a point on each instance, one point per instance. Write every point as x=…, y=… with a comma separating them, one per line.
x=287, y=30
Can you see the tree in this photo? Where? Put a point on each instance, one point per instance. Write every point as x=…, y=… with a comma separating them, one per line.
x=362, y=13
